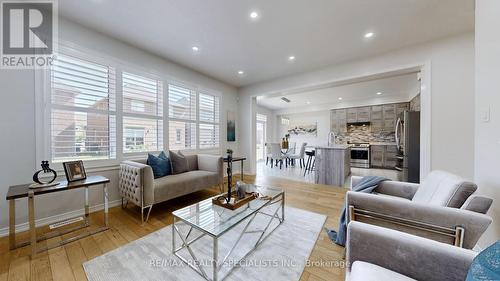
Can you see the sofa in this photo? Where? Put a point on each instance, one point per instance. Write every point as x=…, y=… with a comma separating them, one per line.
x=138, y=185
x=444, y=207
x=378, y=254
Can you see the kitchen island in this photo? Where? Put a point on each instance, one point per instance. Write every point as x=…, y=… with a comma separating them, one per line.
x=333, y=164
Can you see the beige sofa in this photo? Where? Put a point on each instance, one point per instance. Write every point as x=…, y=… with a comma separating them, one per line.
x=137, y=184
x=444, y=207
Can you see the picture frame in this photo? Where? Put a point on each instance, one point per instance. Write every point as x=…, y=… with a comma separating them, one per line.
x=74, y=170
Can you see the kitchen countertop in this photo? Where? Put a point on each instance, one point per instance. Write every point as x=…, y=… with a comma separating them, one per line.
x=382, y=143
x=336, y=146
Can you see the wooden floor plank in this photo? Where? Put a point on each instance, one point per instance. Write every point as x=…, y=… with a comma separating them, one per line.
x=65, y=263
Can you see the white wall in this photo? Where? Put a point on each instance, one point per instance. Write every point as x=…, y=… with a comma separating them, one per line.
x=17, y=112
x=487, y=149
x=270, y=123
x=322, y=118
x=452, y=93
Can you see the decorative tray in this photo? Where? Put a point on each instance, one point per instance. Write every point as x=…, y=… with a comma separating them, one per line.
x=235, y=203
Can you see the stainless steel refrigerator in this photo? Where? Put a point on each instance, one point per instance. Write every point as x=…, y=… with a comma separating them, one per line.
x=408, y=141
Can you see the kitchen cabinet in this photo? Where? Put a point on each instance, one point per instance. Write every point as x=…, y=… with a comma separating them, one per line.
x=377, y=156
x=401, y=107
x=338, y=121
x=358, y=114
x=377, y=123
x=352, y=115
x=342, y=120
x=364, y=114
x=383, y=156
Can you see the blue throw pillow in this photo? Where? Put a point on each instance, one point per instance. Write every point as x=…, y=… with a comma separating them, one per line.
x=160, y=165
x=486, y=265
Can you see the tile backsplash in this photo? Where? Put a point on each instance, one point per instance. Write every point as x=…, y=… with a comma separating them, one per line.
x=363, y=133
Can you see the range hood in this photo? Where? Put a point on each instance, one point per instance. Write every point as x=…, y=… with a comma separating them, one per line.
x=359, y=124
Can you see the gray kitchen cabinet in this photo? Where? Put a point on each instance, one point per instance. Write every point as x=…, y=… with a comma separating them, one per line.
x=333, y=121
x=338, y=122
x=342, y=120
x=364, y=114
x=376, y=116
x=377, y=156
x=401, y=107
x=390, y=156
x=389, y=112
x=352, y=115
x=383, y=156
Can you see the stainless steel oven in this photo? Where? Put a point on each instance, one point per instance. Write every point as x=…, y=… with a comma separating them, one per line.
x=360, y=155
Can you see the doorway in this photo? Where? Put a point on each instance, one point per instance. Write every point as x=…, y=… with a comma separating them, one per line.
x=261, y=124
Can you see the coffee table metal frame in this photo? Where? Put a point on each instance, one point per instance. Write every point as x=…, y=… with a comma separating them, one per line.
x=248, y=219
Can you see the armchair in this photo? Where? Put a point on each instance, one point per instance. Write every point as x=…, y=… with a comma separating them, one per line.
x=443, y=208
x=374, y=253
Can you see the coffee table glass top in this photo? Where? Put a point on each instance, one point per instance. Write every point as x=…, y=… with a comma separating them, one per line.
x=216, y=220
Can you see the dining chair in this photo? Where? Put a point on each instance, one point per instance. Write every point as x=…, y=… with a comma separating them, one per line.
x=276, y=155
x=268, y=153
x=299, y=156
x=290, y=151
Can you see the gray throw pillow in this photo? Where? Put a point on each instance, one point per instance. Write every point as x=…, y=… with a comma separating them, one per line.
x=179, y=162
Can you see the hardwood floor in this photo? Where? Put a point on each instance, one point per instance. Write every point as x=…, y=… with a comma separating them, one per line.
x=65, y=262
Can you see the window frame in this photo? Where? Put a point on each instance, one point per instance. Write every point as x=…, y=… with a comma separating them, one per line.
x=216, y=122
x=140, y=115
x=43, y=110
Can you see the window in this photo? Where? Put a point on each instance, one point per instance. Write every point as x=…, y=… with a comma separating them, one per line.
x=209, y=121
x=134, y=137
x=182, y=117
x=82, y=110
x=261, y=118
x=285, y=121
x=142, y=114
x=178, y=133
x=83, y=114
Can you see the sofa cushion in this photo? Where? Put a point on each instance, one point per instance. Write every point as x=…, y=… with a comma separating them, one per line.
x=192, y=161
x=179, y=162
x=444, y=189
x=160, y=165
x=477, y=203
x=364, y=271
x=180, y=184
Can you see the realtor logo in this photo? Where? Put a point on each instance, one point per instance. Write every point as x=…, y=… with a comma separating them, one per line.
x=28, y=29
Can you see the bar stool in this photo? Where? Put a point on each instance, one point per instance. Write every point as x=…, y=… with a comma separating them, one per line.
x=311, y=160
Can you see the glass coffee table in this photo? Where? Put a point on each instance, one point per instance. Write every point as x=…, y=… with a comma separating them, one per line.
x=214, y=221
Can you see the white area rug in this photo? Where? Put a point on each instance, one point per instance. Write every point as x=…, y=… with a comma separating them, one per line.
x=281, y=256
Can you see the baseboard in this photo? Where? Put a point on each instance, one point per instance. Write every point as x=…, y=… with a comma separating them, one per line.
x=49, y=220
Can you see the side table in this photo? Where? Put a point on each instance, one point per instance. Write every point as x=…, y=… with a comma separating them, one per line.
x=22, y=191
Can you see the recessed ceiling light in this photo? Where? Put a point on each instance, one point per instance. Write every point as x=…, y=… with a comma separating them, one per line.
x=241, y=72
x=291, y=58
x=379, y=93
x=254, y=15
x=195, y=49
x=369, y=35
x=340, y=98
x=308, y=102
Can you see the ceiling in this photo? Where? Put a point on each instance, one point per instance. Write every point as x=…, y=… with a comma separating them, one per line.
x=396, y=88
x=317, y=32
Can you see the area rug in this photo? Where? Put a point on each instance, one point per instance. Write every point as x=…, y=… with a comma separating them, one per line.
x=281, y=256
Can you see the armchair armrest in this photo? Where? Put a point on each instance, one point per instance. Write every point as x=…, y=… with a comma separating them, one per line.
x=394, y=188
x=410, y=255
x=425, y=217
x=211, y=163
x=136, y=183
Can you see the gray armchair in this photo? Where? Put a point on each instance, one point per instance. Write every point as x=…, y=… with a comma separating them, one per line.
x=444, y=208
x=377, y=254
